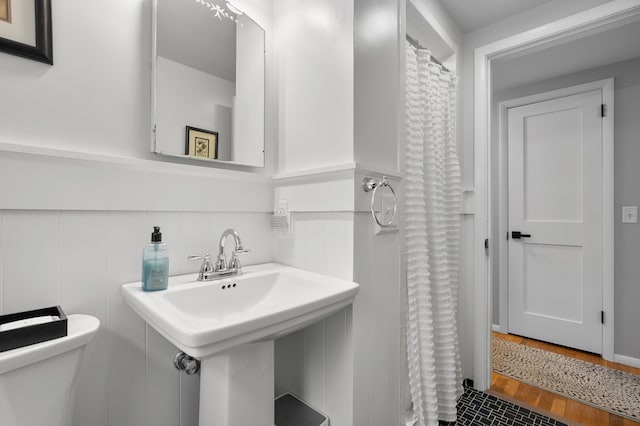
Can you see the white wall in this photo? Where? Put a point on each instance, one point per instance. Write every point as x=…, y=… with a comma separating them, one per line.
x=314, y=50
x=96, y=96
x=79, y=192
x=627, y=152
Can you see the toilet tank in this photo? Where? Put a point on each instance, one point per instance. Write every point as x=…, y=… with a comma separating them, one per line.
x=37, y=382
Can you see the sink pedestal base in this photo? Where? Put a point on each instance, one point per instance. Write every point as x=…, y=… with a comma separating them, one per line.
x=237, y=388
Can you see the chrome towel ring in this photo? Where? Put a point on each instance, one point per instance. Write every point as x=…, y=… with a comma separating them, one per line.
x=371, y=184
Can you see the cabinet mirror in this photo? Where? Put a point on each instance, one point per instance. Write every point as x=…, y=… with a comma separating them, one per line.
x=208, y=82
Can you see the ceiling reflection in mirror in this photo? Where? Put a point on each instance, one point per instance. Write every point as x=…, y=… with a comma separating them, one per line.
x=208, y=82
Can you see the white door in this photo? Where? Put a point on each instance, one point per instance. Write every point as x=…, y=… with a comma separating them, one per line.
x=555, y=202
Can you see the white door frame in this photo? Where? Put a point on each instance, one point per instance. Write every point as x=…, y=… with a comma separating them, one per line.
x=611, y=14
x=606, y=87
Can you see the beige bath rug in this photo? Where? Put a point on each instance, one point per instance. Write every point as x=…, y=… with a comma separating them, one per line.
x=607, y=389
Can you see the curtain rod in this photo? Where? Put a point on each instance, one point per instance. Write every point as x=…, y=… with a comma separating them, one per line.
x=415, y=43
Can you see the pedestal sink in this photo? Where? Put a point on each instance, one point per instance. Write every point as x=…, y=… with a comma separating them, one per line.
x=230, y=325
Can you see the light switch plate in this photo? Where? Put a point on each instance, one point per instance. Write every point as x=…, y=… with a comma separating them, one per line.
x=630, y=214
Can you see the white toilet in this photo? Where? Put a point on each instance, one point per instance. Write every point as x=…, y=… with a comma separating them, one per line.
x=37, y=382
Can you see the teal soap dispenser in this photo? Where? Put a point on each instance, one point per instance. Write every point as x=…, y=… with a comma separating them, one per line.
x=155, y=263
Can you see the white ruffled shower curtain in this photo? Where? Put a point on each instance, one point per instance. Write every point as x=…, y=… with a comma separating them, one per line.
x=432, y=228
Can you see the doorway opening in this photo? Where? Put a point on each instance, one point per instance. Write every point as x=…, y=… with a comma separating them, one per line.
x=593, y=21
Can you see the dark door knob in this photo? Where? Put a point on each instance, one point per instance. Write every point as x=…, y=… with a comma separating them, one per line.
x=516, y=235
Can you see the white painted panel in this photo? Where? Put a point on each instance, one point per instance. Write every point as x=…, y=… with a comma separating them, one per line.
x=555, y=273
x=126, y=330
x=381, y=323
x=127, y=234
x=337, y=355
x=83, y=288
x=31, y=260
x=553, y=149
x=1, y=262
x=365, y=374
x=317, y=194
x=88, y=182
x=290, y=364
x=377, y=94
x=314, y=50
x=314, y=350
x=92, y=390
x=309, y=241
x=189, y=399
x=337, y=243
x=125, y=363
x=163, y=381
x=83, y=262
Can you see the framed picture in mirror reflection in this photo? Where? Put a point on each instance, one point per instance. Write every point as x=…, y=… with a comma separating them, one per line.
x=5, y=10
x=201, y=143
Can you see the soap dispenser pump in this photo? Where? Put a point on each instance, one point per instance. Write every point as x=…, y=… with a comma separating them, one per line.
x=155, y=263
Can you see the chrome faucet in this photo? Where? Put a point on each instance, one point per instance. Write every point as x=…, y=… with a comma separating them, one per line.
x=234, y=263
x=221, y=269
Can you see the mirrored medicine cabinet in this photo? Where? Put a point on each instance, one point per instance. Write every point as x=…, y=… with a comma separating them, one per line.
x=208, y=82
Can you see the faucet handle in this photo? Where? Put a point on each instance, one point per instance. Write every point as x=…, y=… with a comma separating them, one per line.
x=234, y=263
x=206, y=266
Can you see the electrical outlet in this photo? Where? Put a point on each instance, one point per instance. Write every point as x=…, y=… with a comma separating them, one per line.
x=630, y=214
x=282, y=208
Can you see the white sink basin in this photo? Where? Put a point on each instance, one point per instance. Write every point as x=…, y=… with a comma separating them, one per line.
x=270, y=300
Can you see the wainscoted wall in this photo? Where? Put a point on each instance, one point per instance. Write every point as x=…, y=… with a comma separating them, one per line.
x=377, y=324
x=348, y=365
x=316, y=363
x=79, y=260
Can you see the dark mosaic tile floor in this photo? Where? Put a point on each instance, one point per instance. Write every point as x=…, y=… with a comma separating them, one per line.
x=477, y=408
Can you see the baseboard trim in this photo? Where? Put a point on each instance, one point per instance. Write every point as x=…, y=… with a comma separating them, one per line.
x=627, y=360
x=496, y=328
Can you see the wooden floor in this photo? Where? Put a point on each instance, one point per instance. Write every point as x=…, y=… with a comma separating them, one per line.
x=558, y=405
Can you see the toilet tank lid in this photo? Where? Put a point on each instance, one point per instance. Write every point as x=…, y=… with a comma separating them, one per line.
x=80, y=330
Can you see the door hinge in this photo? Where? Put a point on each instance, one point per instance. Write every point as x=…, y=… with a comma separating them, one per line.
x=602, y=317
x=486, y=244
x=602, y=110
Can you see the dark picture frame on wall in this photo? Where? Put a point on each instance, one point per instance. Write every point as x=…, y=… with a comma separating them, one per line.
x=201, y=143
x=26, y=31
